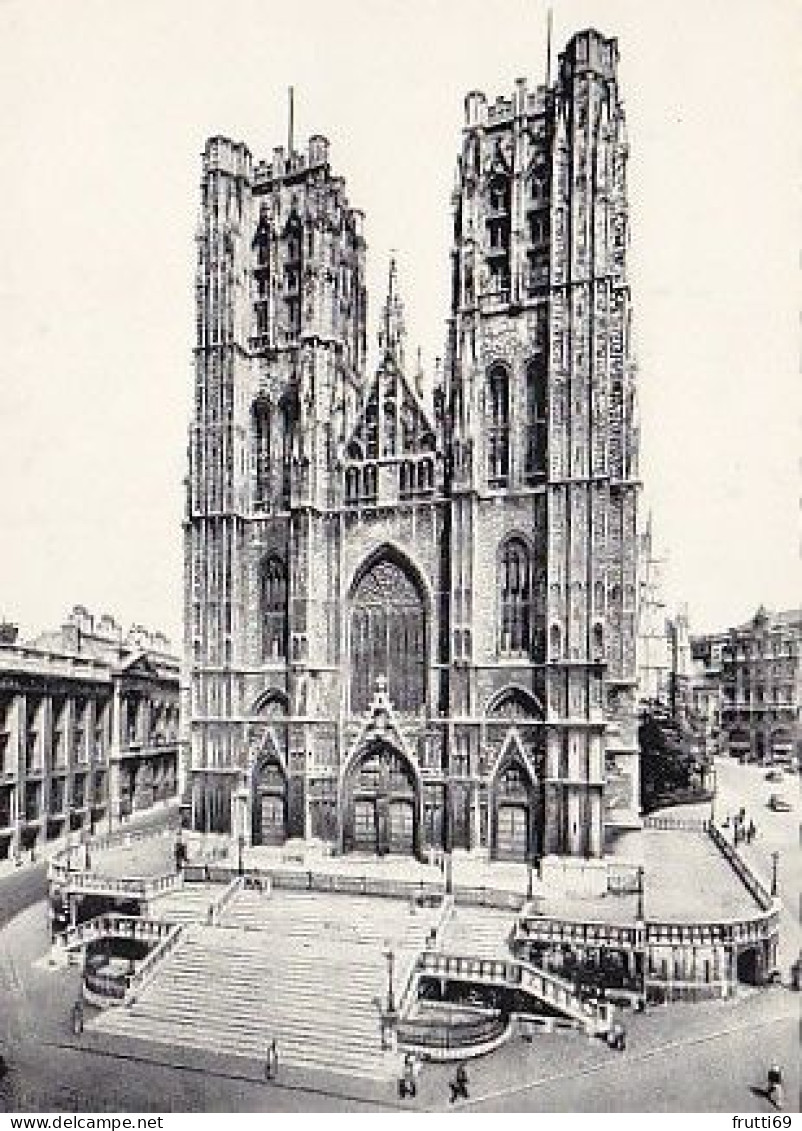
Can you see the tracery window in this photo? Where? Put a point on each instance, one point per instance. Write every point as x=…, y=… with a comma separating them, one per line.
x=273, y=607
x=498, y=435
x=261, y=439
x=516, y=593
x=537, y=417
x=498, y=237
x=387, y=626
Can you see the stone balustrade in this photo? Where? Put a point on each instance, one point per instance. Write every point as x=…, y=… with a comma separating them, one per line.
x=594, y=1017
x=447, y=1038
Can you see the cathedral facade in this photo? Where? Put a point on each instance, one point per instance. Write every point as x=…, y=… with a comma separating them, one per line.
x=410, y=619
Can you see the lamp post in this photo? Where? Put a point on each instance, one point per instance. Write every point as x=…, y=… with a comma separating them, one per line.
x=390, y=956
x=241, y=846
x=775, y=860
x=639, y=910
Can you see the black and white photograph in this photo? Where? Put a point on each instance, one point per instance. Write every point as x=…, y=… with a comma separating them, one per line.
x=400, y=615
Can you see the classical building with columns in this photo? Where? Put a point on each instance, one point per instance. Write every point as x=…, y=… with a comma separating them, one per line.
x=411, y=606
x=88, y=728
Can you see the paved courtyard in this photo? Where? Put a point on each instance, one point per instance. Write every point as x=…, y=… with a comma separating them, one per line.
x=154, y=856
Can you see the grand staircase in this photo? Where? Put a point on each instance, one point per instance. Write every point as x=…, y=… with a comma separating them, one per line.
x=309, y=971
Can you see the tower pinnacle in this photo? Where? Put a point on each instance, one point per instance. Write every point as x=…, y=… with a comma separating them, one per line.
x=393, y=331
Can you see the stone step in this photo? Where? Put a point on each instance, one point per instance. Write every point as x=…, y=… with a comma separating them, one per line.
x=181, y=993
x=294, y=1050
x=310, y=1025
x=308, y=975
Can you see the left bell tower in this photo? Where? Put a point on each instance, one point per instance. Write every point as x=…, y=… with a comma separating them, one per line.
x=279, y=366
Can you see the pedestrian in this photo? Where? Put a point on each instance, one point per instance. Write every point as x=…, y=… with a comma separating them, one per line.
x=407, y=1085
x=271, y=1061
x=750, y=832
x=459, y=1085
x=774, y=1086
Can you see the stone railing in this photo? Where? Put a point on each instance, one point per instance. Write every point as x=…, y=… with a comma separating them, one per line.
x=222, y=901
x=444, y=1039
x=556, y=932
x=619, y=936
x=116, y=926
x=103, y=988
x=726, y=932
x=594, y=1017
x=676, y=824
x=422, y=891
x=90, y=883
x=146, y=969
x=756, y=888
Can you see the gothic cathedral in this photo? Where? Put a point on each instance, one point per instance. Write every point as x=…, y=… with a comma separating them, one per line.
x=410, y=619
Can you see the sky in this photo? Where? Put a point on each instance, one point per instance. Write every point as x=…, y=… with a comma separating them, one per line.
x=104, y=109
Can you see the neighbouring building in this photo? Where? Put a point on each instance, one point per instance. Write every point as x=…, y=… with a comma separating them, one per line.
x=411, y=623
x=756, y=667
x=88, y=728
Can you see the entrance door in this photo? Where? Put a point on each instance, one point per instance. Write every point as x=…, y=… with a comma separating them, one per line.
x=379, y=804
x=269, y=804
x=401, y=826
x=365, y=826
x=272, y=815
x=512, y=834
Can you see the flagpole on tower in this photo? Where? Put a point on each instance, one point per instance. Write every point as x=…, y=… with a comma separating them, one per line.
x=290, y=123
x=548, y=46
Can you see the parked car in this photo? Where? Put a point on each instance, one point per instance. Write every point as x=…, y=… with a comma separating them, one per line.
x=779, y=804
x=774, y=775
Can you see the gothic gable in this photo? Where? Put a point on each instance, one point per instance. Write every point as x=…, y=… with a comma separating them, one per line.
x=392, y=422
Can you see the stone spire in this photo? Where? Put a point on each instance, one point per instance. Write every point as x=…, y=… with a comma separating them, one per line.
x=392, y=331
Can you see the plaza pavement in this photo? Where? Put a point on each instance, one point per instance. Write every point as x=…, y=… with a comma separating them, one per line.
x=686, y=877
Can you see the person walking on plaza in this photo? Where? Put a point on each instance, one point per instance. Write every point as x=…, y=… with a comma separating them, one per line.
x=459, y=1085
x=774, y=1086
x=271, y=1061
x=408, y=1084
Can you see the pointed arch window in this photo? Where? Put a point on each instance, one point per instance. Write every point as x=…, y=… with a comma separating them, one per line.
x=261, y=247
x=273, y=608
x=498, y=237
x=516, y=594
x=288, y=418
x=262, y=453
x=387, y=638
x=498, y=436
x=537, y=418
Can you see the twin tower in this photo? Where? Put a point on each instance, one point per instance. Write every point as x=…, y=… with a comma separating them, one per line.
x=410, y=615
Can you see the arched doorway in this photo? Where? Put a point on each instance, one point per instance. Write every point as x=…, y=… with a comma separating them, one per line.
x=269, y=817
x=387, y=636
x=514, y=820
x=380, y=803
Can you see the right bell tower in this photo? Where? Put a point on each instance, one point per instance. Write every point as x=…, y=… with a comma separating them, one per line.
x=541, y=408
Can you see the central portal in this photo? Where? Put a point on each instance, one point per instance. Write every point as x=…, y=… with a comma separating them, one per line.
x=380, y=803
